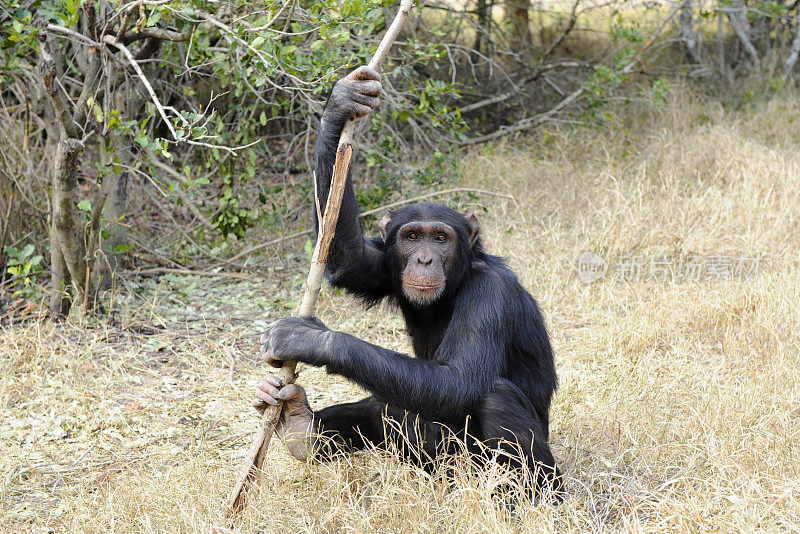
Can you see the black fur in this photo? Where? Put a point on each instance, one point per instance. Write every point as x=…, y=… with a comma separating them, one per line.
x=482, y=350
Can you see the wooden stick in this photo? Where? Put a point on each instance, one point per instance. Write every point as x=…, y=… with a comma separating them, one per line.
x=258, y=451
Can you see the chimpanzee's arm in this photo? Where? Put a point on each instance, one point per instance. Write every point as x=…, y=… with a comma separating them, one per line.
x=443, y=390
x=354, y=262
x=469, y=359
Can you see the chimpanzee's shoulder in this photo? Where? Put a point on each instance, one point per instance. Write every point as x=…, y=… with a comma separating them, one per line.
x=491, y=280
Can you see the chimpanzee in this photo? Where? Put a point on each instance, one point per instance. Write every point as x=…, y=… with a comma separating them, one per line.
x=484, y=369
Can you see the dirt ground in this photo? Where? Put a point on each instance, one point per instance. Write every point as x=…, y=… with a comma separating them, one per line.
x=678, y=406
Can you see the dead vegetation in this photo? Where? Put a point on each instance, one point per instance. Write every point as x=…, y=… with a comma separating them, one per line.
x=678, y=404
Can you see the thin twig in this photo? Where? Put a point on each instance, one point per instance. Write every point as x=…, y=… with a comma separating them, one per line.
x=573, y=18
x=113, y=41
x=188, y=272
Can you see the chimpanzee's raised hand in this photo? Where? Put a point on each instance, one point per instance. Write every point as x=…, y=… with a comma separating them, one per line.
x=300, y=339
x=355, y=95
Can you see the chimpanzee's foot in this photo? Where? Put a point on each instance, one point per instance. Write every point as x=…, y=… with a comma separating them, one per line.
x=296, y=425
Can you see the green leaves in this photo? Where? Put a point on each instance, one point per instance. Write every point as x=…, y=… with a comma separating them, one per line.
x=773, y=8
x=232, y=218
x=621, y=32
x=242, y=72
x=24, y=266
x=660, y=90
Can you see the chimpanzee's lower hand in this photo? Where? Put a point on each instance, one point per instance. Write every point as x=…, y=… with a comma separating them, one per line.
x=300, y=339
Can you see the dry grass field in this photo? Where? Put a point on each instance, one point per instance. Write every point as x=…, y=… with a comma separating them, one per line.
x=679, y=399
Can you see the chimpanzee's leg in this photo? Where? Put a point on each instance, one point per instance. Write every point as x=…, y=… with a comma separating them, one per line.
x=357, y=425
x=348, y=427
x=507, y=422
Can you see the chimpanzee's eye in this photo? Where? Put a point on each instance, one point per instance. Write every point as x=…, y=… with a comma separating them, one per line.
x=412, y=235
x=441, y=236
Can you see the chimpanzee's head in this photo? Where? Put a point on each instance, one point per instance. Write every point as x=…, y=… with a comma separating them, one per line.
x=429, y=248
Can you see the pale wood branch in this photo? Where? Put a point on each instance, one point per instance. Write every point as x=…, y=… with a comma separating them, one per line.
x=344, y=152
x=116, y=43
x=741, y=26
x=791, y=59
x=161, y=34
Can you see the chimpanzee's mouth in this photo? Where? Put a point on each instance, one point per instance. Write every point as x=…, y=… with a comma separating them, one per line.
x=422, y=295
x=424, y=288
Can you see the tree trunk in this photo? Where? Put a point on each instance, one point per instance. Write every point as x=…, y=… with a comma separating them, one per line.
x=482, y=11
x=65, y=227
x=114, y=192
x=721, y=44
x=791, y=59
x=106, y=259
x=59, y=277
x=741, y=25
x=689, y=33
x=521, y=31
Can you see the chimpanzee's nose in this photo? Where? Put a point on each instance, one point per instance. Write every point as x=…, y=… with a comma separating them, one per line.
x=425, y=261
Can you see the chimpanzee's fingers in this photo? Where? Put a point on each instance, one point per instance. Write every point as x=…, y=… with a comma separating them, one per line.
x=370, y=87
x=268, y=357
x=291, y=391
x=264, y=344
x=266, y=351
x=266, y=396
x=365, y=100
x=364, y=73
x=274, y=380
x=361, y=110
x=269, y=389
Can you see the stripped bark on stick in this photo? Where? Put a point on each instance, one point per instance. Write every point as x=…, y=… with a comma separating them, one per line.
x=269, y=420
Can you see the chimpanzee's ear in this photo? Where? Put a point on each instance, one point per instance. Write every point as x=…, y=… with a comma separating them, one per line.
x=474, y=228
x=383, y=224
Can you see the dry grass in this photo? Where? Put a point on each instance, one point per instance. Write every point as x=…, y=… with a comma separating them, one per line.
x=678, y=405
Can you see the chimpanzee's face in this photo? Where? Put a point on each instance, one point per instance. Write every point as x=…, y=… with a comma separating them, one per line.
x=430, y=250
x=427, y=251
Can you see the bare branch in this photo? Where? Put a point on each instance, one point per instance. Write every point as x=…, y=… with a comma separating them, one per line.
x=113, y=41
x=162, y=34
x=573, y=18
x=270, y=22
x=741, y=26
x=502, y=97
x=532, y=122
x=791, y=59
x=60, y=108
x=526, y=124
x=72, y=33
